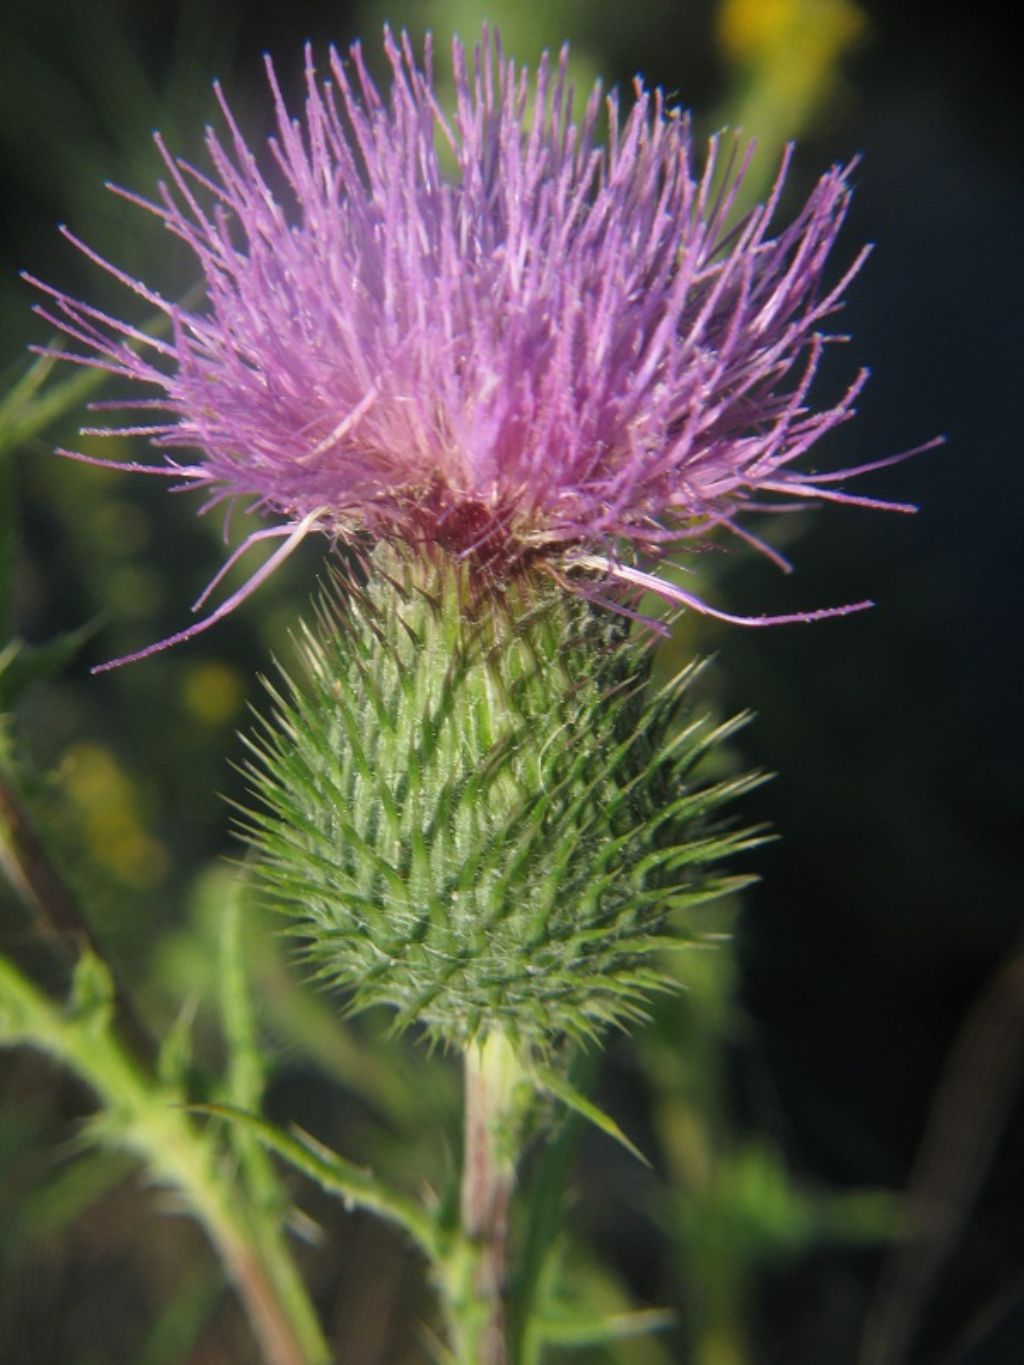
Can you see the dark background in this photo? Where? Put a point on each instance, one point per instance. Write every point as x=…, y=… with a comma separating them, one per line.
x=893, y=899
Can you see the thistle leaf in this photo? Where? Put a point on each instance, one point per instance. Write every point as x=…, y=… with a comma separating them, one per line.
x=560, y=1088
x=174, y=1060
x=23, y=665
x=355, y=1186
x=582, y=1328
x=92, y=993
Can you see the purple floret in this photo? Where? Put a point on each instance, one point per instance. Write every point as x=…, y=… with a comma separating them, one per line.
x=518, y=338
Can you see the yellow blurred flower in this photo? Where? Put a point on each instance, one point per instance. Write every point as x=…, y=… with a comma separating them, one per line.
x=107, y=803
x=787, y=55
x=800, y=33
x=212, y=692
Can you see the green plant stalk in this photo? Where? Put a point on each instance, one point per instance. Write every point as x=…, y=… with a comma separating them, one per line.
x=543, y=1207
x=139, y=1114
x=480, y=813
x=475, y=1274
x=245, y=1081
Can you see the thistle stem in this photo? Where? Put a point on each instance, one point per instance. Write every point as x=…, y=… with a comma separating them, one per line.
x=151, y=1120
x=275, y=1302
x=477, y=1276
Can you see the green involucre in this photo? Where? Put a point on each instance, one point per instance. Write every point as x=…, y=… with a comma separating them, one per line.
x=476, y=808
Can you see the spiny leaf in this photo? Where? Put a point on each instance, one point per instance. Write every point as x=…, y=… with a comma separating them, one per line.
x=92, y=993
x=23, y=665
x=580, y=1327
x=174, y=1059
x=562, y=1089
x=352, y=1184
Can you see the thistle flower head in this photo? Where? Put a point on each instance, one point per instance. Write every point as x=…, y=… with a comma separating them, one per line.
x=521, y=339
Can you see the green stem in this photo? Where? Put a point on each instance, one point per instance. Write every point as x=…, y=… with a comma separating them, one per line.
x=138, y=1113
x=245, y=1084
x=274, y=1297
x=476, y=1276
x=251, y=1248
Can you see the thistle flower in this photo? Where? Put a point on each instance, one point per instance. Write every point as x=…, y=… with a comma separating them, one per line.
x=529, y=342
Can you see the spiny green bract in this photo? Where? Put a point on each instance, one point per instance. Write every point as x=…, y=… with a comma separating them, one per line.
x=476, y=812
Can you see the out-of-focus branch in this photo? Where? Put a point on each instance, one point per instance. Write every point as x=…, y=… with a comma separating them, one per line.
x=965, y=1123
x=55, y=910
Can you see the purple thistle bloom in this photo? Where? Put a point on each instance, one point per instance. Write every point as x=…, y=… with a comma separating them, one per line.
x=514, y=337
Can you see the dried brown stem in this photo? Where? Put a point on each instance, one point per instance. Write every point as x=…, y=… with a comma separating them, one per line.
x=967, y=1116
